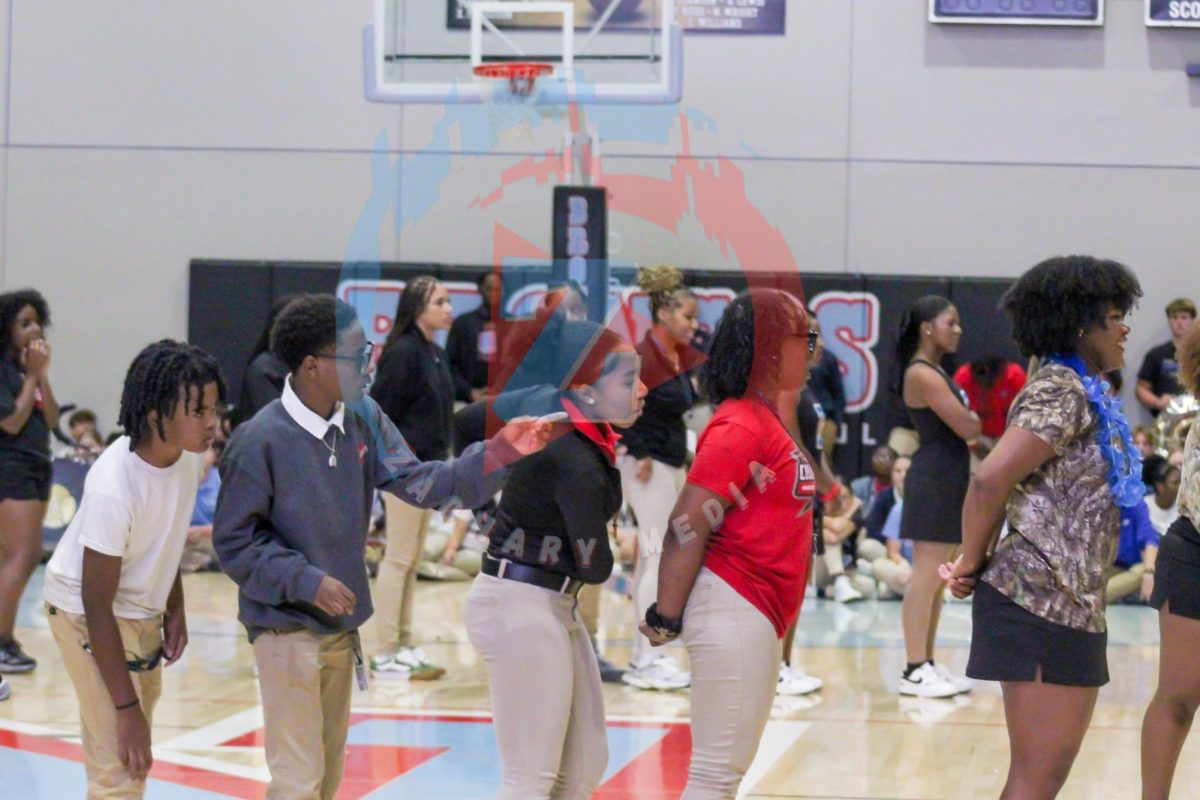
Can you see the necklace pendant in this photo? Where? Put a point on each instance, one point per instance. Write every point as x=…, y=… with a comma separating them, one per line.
x=333, y=459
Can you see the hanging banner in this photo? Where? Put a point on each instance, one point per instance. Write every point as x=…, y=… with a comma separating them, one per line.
x=1173, y=13
x=699, y=16
x=1017, y=12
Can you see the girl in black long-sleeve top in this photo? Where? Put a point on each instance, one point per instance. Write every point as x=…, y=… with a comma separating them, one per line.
x=414, y=388
x=550, y=538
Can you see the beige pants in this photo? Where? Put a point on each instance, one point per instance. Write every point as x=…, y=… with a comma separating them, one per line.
x=892, y=575
x=651, y=502
x=107, y=777
x=396, y=586
x=1122, y=583
x=904, y=441
x=735, y=655
x=546, y=699
x=305, y=680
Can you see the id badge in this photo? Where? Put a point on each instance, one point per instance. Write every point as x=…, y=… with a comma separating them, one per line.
x=360, y=666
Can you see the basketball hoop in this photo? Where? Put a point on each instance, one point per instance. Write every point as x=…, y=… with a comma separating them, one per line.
x=521, y=75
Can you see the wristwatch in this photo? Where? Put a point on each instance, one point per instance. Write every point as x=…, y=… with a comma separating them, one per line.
x=667, y=628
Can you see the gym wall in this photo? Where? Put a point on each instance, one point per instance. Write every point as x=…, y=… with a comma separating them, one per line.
x=137, y=136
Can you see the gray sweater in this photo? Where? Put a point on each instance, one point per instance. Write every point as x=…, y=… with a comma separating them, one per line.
x=285, y=518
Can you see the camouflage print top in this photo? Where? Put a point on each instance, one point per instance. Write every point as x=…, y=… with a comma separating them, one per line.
x=1063, y=523
x=1189, y=483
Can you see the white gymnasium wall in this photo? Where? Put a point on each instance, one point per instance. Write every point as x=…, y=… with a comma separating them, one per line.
x=139, y=134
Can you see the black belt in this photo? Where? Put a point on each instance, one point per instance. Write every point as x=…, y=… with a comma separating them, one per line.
x=523, y=573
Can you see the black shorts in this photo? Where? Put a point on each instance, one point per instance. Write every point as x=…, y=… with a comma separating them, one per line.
x=1177, y=571
x=25, y=480
x=1009, y=643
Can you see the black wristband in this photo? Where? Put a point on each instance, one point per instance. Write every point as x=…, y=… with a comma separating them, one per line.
x=130, y=704
x=656, y=620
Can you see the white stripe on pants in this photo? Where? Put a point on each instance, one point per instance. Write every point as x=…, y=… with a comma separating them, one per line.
x=652, y=502
x=546, y=699
x=735, y=654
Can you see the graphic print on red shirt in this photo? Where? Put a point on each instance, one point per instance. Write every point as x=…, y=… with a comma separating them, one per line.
x=763, y=546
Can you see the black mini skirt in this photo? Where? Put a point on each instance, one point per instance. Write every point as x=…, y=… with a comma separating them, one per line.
x=1009, y=643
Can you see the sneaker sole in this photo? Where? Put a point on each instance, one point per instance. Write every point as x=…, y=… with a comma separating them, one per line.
x=797, y=694
x=9, y=669
x=911, y=691
x=642, y=683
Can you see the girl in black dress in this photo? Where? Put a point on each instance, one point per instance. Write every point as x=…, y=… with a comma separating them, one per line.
x=935, y=485
x=414, y=387
x=28, y=412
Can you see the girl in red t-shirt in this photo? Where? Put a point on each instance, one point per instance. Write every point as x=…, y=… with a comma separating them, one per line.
x=732, y=571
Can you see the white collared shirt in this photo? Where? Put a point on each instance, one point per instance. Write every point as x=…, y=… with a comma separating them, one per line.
x=308, y=419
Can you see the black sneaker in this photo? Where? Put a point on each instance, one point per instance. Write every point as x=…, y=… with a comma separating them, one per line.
x=13, y=658
x=609, y=672
x=5, y=690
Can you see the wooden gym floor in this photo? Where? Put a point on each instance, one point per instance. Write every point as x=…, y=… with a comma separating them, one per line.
x=854, y=739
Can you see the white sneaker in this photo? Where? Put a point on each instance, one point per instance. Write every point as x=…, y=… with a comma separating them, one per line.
x=5, y=690
x=963, y=684
x=844, y=591
x=662, y=674
x=926, y=682
x=795, y=681
x=409, y=663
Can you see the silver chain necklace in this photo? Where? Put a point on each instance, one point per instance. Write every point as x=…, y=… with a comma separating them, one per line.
x=332, y=447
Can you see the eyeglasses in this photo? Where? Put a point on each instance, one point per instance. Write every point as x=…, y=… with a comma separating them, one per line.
x=362, y=360
x=813, y=336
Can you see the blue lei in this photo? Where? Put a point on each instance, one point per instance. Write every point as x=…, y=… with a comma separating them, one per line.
x=1112, y=434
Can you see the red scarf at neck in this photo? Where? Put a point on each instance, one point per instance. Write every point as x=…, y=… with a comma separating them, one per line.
x=600, y=434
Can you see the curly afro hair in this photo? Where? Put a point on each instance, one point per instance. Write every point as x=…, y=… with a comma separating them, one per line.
x=11, y=304
x=1052, y=303
x=751, y=330
x=1188, y=354
x=157, y=378
x=307, y=325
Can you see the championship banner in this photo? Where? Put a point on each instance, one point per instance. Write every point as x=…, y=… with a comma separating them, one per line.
x=702, y=16
x=1173, y=13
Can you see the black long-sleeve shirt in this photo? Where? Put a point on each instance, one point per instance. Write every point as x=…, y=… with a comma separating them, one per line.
x=660, y=431
x=555, y=510
x=414, y=388
x=262, y=382
x=469, y=369
x=825, y=380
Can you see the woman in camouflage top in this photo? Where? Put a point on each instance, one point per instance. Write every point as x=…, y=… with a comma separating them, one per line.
x=1038, y=612
x=1177, y=598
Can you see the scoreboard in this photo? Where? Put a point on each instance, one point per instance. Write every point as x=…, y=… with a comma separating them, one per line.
x=1173, y=13
x=1020, y=12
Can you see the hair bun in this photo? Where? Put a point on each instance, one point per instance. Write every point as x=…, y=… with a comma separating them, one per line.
x=660, y=279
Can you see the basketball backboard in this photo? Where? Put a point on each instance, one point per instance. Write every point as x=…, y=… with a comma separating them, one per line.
x=600, y=51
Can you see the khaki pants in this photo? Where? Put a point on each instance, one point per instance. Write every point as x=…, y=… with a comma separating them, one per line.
x=651, y=502
x=142, y=638
x=904, y=441
x=1123, y=582
x=546, y=699
x=396, y=586
x=735, y=655
x=305, y=680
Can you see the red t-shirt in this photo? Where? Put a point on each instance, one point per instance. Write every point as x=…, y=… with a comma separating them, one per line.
x=763, y=546
x=992, y=404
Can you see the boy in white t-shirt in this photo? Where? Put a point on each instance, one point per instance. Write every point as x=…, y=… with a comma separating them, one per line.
x=113, y=593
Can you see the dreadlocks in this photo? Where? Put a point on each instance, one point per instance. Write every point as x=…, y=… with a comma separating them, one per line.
x=157, y=377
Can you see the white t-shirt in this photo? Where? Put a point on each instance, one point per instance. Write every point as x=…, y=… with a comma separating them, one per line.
x=1161, y=518
x=138, y=512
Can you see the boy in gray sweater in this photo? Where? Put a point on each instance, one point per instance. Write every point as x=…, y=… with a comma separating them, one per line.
x=291, y=524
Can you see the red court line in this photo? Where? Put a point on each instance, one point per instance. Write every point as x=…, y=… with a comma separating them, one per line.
x=231, y=785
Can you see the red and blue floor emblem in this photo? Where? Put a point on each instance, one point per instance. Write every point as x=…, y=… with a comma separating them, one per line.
x=392, y=755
